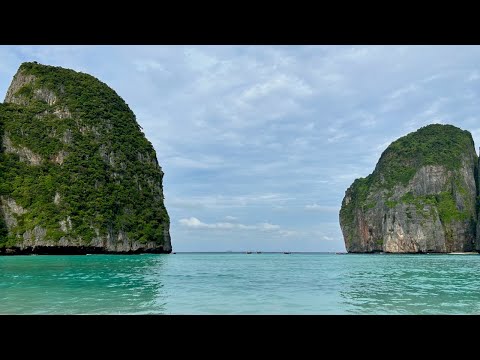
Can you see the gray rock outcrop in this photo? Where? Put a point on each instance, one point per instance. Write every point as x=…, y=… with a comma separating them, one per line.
x=421, y=197
x=78, y=174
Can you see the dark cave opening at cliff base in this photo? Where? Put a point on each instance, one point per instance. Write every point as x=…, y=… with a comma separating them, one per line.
x=74, y=250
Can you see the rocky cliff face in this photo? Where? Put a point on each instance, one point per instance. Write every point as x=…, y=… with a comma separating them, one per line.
x=77, y=174
x=421, y=196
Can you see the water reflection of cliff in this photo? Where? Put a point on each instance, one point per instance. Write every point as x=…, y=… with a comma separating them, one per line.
x=97, y=284
x=155, y=296
x=410, y=284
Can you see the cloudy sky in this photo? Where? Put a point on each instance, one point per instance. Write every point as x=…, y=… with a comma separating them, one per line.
x=259, y=143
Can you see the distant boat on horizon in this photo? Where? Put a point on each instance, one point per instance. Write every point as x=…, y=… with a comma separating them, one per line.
x=287, y=252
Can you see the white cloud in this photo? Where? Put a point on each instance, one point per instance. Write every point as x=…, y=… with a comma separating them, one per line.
x=144, y=65
x=199, y=60
x=288, y=233
x=366, y=119
x=474, y=75
x=360, y=53
x=337, y=137
x=184, y=203
x=205, y=162
x=435, y=77
x=403, y=91
x=434, y=107
x=277, y=82
x=195, y=223
x=231, y=218
x=317, y=207
x=224, y=201
x=268, y=226
x=192, y=222
x=433, y=113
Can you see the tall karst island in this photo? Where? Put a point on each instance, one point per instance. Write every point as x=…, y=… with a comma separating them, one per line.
x=421, y=197
x=77, y=174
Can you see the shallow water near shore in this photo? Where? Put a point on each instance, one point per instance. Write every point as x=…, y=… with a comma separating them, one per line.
x=237, y=283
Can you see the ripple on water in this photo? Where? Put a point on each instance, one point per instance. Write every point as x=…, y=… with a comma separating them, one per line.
x=239, y=284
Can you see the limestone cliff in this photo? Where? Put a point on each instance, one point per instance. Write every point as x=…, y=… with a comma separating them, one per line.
x=77, y=175
x=421, y=197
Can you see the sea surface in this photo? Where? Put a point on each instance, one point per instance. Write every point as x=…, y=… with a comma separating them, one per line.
x=239, y=283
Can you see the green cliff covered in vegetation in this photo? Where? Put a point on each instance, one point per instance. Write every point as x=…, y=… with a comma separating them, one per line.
x=77, y=174
x=421, y=197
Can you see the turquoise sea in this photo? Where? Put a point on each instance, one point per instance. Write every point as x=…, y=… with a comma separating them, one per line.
x=234, y=283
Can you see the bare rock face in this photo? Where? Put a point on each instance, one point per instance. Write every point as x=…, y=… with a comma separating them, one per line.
x=10, y=210
x=23, y=153
x=78, y=174
x=420, y=198
x=19, y=81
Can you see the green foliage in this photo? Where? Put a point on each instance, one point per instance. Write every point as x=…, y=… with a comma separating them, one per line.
x=434, y=144
x=26, y=90
x=430, y=145
x=391, y=204
x=109, y=179
x=369, y=205
x=443, y=202
x=447, y=208
x=358, y=192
